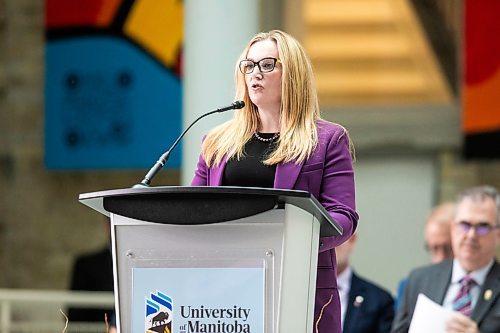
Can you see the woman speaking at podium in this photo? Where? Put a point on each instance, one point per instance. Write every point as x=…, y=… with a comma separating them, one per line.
x=278, y=140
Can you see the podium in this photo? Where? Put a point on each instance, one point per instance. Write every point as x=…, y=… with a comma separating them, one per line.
x=214, y=259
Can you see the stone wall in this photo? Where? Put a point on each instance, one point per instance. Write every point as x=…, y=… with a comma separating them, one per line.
x=42, y=224
x=457, y=174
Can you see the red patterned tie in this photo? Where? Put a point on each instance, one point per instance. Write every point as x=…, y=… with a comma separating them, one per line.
x=463, y=301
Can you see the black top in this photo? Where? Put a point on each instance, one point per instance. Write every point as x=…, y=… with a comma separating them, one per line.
x=250, y=170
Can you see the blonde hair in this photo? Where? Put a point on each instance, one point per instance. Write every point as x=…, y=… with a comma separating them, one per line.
x=298, y=111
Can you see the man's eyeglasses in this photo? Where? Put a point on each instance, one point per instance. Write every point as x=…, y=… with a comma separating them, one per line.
x=265, y=65
x=439, y=249
x=481, y=229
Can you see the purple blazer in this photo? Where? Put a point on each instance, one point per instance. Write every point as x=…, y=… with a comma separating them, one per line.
x=329, y=176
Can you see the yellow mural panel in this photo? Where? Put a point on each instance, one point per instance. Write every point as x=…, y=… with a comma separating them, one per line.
x=157, y=26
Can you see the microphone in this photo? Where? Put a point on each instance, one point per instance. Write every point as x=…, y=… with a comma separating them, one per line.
x=164, y=158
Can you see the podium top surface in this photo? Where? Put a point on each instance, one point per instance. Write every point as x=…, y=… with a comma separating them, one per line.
x=191, y=205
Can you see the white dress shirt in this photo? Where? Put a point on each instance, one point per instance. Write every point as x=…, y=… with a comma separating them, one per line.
x=344, y=285
x=457, y=274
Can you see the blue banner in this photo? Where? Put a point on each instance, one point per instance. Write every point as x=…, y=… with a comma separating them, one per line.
x=108, y=105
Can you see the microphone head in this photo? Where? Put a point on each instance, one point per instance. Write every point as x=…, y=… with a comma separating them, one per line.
x=238, y=104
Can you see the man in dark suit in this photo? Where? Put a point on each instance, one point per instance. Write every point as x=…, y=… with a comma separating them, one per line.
x=469, y=284
x=93, y=272
x=365, y=307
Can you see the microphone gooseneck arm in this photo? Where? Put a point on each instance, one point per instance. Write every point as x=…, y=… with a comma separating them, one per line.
x=164, y=158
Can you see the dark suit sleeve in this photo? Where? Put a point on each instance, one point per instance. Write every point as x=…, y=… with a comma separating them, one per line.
x=386, y=314
x=78, y=278
x=79, y=281
x=402, y=319
x=92, y=273
x=406, y=306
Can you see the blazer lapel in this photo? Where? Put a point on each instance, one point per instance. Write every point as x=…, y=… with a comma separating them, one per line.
x=489, y=293
x=286, y=175
x=216, y=172
x=442, y=282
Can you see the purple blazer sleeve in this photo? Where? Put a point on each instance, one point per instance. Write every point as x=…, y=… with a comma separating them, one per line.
x=337, y=193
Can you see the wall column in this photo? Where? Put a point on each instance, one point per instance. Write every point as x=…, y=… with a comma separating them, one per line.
x=215, y=34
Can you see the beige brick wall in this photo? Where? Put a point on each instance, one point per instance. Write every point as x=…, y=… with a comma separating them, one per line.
x=42, y=225
x=457, y=174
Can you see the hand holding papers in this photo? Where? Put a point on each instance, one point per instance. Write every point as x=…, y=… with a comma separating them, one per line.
x=429, y=317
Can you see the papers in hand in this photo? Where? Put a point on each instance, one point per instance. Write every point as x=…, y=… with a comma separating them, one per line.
x=429, y=317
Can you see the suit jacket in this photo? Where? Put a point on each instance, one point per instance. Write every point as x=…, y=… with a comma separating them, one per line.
x=433, y=281
x=328, y=175
x=373, y=313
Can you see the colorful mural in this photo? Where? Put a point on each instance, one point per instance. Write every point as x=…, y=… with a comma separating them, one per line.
x=481, y=90
x=113, y=96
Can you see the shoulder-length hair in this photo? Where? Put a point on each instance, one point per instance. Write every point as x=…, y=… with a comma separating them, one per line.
x=298, y=111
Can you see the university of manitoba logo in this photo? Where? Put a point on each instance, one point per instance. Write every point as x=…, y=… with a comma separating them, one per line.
x=158, y=313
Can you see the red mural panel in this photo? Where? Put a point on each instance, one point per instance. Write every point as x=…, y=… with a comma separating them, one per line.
x=481, y=90
x=64, y=13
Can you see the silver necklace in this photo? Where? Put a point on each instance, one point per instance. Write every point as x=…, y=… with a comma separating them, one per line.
x=275, y=136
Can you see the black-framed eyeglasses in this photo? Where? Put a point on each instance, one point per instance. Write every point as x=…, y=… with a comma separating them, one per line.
x=265, y=65
x=481, y=229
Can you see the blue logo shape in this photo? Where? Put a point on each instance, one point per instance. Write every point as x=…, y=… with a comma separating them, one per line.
x=158, y=313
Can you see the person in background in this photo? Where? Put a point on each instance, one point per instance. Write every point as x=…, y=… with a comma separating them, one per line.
x=93, y=272
x=437, y=236
x=469, y=284
x=437, y=232
x=112, y=326
x=365, y=307
x=278, y=140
